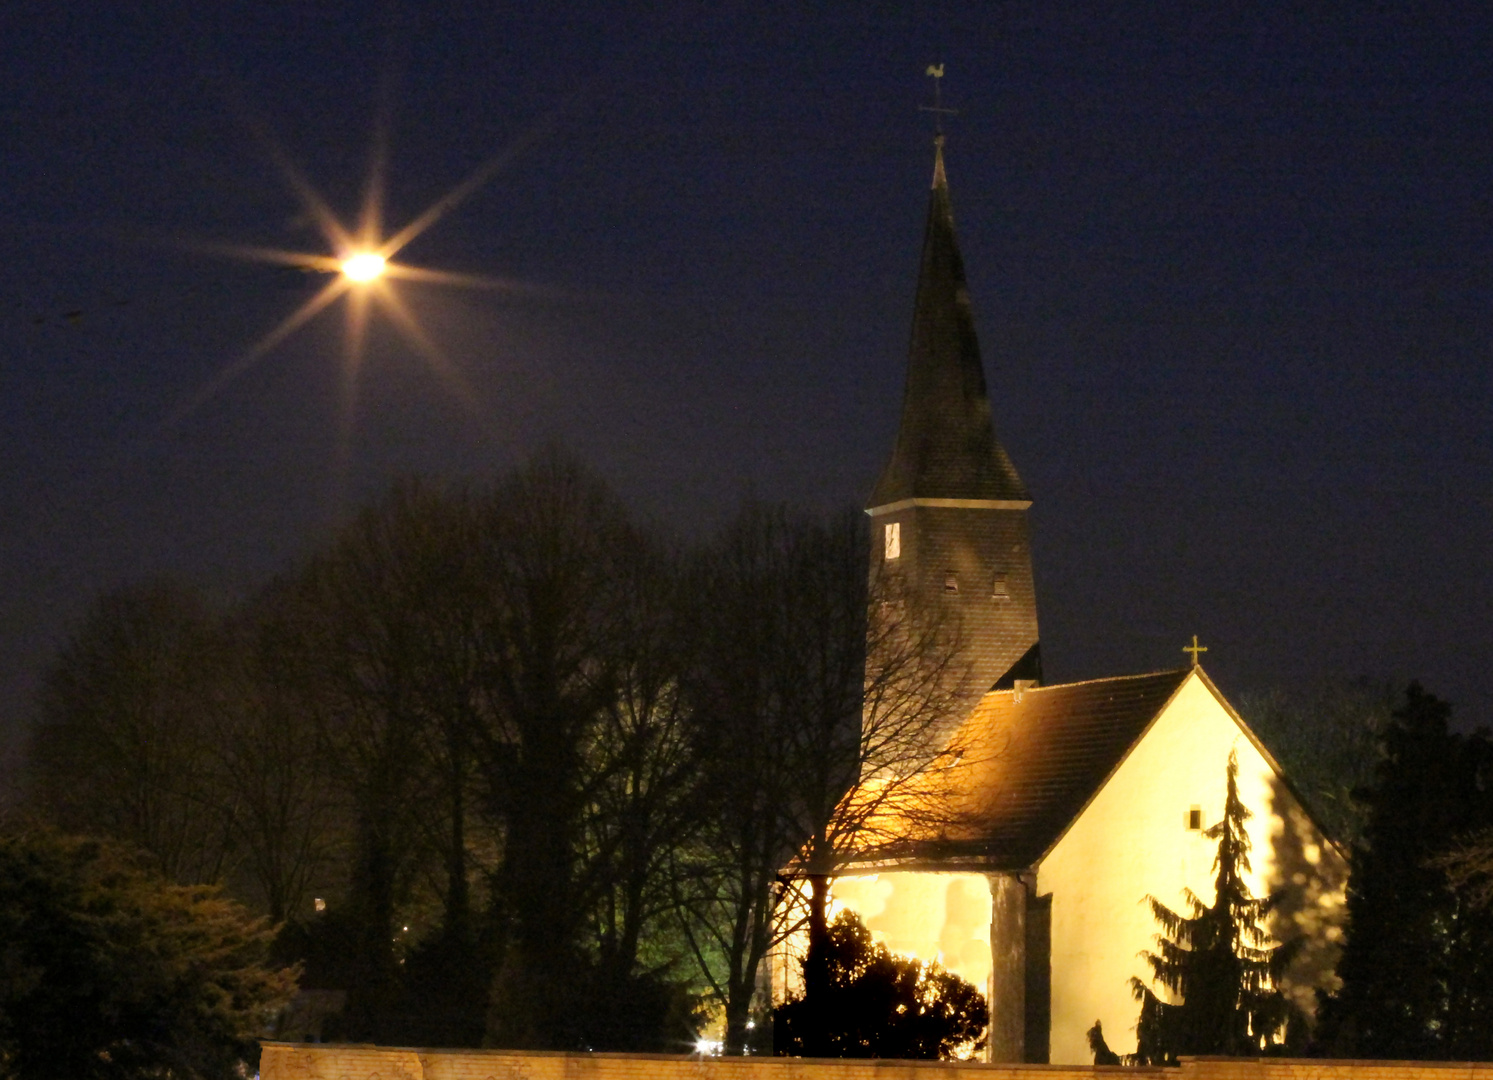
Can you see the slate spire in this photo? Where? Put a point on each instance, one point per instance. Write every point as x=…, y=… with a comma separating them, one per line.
x=946, y=446
x=949, y=512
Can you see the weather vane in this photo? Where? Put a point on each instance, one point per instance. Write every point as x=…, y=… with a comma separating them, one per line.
x=935, y=72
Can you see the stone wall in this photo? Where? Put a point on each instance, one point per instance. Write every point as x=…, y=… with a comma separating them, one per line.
x=289, y=1061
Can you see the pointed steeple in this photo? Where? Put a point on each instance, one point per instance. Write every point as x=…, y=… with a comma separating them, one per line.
x=950, y=513
x=946, y=447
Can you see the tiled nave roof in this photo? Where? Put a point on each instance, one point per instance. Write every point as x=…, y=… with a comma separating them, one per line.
x=1025, y=764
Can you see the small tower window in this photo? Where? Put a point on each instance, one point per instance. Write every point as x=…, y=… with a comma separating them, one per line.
x=894, y=540
x=1195, y=819
x=950, y=582
x=999, y=589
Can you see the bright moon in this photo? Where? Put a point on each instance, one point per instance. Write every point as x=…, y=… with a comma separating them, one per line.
x=360, y=261
x=364, y=266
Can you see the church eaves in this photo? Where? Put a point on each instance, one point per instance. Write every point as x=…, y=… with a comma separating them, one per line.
x=946, y=448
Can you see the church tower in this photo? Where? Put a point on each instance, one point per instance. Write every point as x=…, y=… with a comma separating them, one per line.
x=948, y=514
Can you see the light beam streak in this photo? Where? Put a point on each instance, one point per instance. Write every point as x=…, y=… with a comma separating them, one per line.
x=252, y=253
x=406, y=272
x=234, y=368
x=464, y=190
x=338, y=238
x=352, y=366
x=439, y=362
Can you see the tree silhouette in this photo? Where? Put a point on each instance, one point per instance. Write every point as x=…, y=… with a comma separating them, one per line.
x=876, y=1004
x=111, y=971
x=1327, y=740
x=1216, y=964
x=124, y=746
x=499, y=759
x=815, y=708
x=1417, y=981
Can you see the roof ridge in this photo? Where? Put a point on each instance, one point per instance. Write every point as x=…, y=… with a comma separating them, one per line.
x=1099, y=679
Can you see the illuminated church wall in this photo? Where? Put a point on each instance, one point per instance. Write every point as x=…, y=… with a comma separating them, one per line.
x=931, y=916
x=1133, y=839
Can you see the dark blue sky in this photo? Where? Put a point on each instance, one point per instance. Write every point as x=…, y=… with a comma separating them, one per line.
x=1231, y=272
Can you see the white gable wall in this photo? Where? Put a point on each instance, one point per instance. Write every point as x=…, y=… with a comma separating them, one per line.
x=1132, y=840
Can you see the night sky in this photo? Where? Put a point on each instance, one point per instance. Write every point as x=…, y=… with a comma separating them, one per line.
x=1231, y=272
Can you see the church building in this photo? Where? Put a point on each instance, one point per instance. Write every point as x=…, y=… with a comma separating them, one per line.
x=1071, y=802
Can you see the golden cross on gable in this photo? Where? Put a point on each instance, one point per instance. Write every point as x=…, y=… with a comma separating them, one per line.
x=1194, y=648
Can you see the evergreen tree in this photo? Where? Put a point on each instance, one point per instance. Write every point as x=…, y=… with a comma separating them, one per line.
x=1417, y=980
x=1216, y=964
x=109, y=971
x=1103, y=1055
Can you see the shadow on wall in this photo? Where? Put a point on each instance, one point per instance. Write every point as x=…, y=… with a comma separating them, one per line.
x=1311, y=878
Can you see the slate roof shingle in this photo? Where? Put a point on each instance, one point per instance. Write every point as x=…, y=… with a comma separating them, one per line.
x=946, y=446
x=1028, y=765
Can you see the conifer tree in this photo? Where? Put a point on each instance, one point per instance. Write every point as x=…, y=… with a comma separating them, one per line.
x=1217, y=965
x=1417, y=969
x=112, y=972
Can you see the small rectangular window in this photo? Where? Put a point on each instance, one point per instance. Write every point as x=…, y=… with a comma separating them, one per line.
x=999, y=589
x=951, y=582
x=1195, y=819
x=894, y=540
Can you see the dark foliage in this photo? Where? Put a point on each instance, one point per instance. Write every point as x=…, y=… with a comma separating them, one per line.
x=506, y=769
x=1103, y=1055
x=1327, y=739
x=1216, y=964
x=110, y=971
x=444, y=981
x=1417, y=969
x=880, y=1005
x=639, y=1012
x=812, y=708
x=127, y=722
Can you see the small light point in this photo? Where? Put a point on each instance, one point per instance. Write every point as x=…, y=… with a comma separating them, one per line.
x=363, y=267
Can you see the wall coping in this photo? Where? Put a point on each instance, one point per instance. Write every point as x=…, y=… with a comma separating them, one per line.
x=762, y=1059
x=1198, y=1067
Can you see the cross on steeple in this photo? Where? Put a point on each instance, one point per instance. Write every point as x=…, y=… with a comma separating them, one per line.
x=935, y=72
x=1194, y=648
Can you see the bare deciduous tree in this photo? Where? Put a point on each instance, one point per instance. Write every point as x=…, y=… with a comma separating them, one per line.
x=128, y=716
x=817, y=701
x=366, y=631
x=556, y=547
x=288, y=825
x=647, y=794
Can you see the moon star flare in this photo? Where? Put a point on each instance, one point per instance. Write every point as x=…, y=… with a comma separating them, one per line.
x=363, y=270
x=363, y=266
